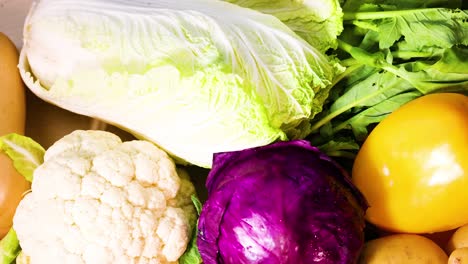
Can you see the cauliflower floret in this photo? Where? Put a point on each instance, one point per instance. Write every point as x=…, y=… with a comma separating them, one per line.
x=98, y=200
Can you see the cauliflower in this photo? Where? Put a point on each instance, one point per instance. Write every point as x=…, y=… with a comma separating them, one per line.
x=98, y=200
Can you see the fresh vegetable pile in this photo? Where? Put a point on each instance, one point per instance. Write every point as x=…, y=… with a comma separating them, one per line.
x=330, y=131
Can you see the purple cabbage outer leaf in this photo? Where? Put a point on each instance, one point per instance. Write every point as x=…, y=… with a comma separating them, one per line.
x=282, y=203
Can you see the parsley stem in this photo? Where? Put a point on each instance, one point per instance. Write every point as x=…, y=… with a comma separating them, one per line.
x=382, y=14
x=344, y=46
x=412, y=54
x=348, y=71
x=342, y=154
x=343, y=109
x=349, y=62
x=374, y=60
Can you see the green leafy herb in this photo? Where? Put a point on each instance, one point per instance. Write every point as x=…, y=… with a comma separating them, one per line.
x=395, y=51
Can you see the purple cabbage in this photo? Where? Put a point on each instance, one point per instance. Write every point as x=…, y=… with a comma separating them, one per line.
x=282, y=203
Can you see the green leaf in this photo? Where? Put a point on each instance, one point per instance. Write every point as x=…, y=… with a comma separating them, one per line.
x=9, y=248
x=418, y=28
x=365, y=102
x=421, y=74
x=392, y=33
x=381, y=5
x=359, y=123
x=192, y=255
x=339, y=144
x=359, y=75
x=399, y=51
x=319, y=22
x=340, y=147
x=370, y=40
x=454, y=60
x=449, y=72
x=26, y=154
x=196, y=202
x=434, y=27
x=372, y=90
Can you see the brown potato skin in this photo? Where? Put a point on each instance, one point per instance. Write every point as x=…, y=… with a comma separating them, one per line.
x=402, y=249
x=459, y=239
x=459, y=256
x=12, y=120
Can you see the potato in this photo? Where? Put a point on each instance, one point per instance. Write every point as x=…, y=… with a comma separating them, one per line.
x=459, y=239
x=459, y=256
x=402, y=249
x=12, y=119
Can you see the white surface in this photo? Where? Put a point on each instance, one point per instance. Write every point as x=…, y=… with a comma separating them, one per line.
x=12, y=15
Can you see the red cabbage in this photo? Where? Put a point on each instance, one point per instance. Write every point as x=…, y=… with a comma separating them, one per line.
x=282, y=203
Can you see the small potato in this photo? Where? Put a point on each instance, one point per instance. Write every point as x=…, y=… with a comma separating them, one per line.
x=402, y=249
x=459, y=239
x=459, y=256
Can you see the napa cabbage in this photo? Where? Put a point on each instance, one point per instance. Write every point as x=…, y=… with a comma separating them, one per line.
x=195, y=77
